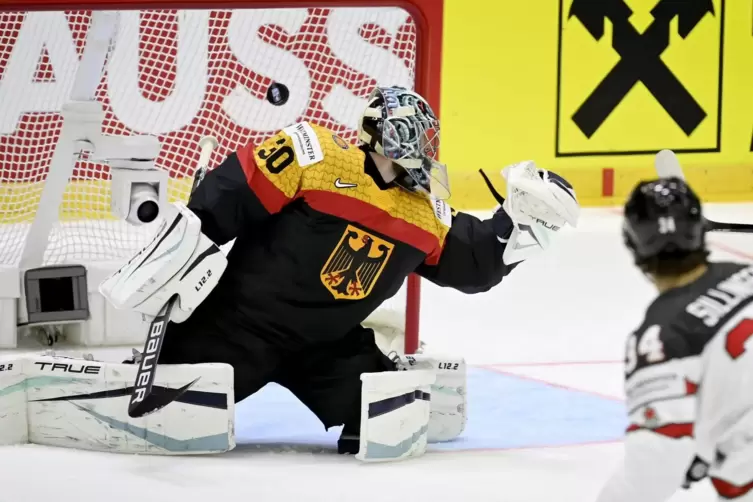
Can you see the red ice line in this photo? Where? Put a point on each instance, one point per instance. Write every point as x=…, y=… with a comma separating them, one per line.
x=551, y=363
x=537, y=447
x=496, y=369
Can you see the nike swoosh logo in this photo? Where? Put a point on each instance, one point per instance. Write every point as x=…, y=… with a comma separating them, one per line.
x=215, y=400
x=340, y=184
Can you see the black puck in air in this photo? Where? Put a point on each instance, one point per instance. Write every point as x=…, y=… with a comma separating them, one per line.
x=278, y=94
x=148, y=211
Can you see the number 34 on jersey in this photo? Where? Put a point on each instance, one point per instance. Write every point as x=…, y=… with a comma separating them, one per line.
x=644, y=349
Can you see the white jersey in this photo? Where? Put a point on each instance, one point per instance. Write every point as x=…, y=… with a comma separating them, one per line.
x=689, y=388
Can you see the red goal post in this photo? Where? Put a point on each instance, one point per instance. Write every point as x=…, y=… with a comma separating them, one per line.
x=423, y=41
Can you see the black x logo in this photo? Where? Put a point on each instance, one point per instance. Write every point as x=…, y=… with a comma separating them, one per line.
x=640, y=59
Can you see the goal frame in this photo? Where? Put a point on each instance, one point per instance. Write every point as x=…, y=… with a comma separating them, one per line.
x=427, y=15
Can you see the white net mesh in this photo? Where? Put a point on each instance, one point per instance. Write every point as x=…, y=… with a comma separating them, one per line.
x=179, y=75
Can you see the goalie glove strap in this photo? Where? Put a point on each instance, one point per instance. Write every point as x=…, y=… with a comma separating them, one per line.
x=501, y=221
x=502, y=224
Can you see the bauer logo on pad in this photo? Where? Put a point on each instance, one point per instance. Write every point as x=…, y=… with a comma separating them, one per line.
x=636, y=76
x=356, y=264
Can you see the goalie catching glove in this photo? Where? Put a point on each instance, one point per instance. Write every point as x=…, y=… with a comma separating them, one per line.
x=180, y=260
x=538, y=204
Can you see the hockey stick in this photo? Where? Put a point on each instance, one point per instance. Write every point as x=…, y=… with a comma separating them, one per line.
x=495, y=193
x=667, y=166
x=143, y=401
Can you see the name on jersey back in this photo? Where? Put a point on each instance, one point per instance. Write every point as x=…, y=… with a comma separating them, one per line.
x=717, y=302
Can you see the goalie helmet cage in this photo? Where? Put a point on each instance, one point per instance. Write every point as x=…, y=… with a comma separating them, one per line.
x=338, y=48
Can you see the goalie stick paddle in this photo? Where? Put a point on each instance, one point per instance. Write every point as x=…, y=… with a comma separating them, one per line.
x=142, y=400
x=667, y=165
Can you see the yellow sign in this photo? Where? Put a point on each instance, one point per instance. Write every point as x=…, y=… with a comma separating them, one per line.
x=355, y=265
x=637, y=76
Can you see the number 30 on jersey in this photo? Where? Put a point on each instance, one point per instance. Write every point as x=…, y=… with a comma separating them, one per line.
x=649, y=347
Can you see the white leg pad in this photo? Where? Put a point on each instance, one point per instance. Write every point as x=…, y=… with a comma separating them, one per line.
x=394, y=415
x=74, y=403
x=448, y=393
x=13, y=415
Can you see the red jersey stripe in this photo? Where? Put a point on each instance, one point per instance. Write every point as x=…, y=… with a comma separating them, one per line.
x=373, y=218
x=730, y=491
x=270, y=196
x=675, y=431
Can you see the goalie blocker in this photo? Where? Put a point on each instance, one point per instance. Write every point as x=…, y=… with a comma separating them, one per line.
x=77, y=403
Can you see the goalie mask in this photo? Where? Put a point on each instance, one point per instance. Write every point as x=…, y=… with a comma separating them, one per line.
x=400, y=125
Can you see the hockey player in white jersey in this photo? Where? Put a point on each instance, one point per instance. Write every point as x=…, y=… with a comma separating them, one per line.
x=689, y=366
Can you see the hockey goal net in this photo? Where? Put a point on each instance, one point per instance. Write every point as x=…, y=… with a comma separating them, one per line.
x=181, y=74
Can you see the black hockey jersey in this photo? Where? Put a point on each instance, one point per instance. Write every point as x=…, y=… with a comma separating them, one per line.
x=682, y=321
x=322, y=241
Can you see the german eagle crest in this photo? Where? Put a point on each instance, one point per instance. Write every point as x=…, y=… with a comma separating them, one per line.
x=355, y=264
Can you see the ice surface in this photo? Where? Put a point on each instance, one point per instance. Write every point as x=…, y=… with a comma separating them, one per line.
x=544, y=396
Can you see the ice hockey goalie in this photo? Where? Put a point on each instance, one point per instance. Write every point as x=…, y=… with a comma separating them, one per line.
x=324, y=231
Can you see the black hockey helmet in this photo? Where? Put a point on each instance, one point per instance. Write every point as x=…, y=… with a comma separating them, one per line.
x=663, y=220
